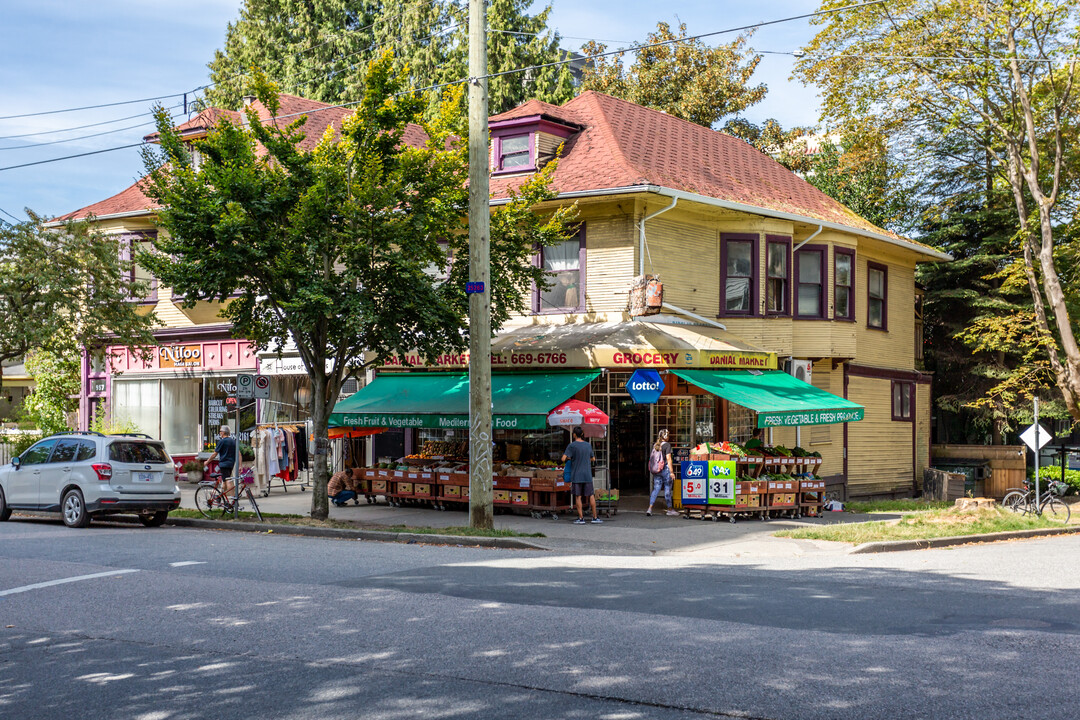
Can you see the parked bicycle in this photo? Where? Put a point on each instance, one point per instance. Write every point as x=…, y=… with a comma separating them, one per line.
x=213, y=499
x=1050, y=505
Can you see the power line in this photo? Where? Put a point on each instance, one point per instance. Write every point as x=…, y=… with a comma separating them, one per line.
x=753, y=26
x=493, y=75
x=72, y=157
x=83, y=127
x=92, y=107
x=10, y=216
x=81, y=137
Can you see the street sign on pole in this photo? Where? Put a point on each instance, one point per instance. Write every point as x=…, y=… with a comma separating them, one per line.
x=262, y=387
x=244, y=386
x=1029, y=437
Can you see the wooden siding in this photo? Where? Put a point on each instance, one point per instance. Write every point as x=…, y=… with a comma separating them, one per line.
x=546, y=146
x=879, y=449
x=894, y=347
x=609, y=261
x=827, y=439
x=686, y=256
x=922, y=428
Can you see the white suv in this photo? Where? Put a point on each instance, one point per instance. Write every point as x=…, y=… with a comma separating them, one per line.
x=84, y=474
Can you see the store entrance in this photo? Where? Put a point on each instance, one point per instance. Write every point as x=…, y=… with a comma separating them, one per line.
x=630, y=446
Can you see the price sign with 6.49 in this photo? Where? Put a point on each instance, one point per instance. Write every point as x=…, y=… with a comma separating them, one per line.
x=721, y=484
x=694, y=475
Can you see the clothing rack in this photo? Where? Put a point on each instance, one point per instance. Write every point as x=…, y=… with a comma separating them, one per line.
x=303, y=476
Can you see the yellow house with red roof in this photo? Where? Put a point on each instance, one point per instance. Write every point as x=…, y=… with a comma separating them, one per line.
x=759, y=270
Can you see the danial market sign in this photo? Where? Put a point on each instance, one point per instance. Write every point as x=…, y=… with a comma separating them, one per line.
x=598, y=357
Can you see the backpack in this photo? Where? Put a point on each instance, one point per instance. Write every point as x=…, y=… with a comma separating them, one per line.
x=656, y=462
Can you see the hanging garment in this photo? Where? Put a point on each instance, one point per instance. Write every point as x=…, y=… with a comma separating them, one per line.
x=270, y=448
x=301, y=451
x=290, y=443
x=262, y=479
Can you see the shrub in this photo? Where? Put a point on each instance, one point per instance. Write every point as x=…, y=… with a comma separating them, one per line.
x=1046, y=474
x=246, y=453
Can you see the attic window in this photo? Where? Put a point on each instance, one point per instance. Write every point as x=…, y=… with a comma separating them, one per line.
x=514, y=153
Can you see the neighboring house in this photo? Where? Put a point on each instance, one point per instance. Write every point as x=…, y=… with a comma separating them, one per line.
x=760, y=270
x=15, y=385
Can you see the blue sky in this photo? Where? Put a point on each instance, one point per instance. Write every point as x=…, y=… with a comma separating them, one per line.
x=62, y=54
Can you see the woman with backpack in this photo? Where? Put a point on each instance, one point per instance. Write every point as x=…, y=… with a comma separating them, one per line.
x=660, y=469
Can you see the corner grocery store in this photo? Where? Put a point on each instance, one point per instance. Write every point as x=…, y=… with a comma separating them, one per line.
x=717, y=387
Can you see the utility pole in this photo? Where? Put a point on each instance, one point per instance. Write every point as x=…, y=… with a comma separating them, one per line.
x=481, y=510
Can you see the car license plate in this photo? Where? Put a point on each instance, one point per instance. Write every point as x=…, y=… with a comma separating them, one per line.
x=146, y=477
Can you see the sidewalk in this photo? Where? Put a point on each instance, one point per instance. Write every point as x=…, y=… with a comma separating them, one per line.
x=629, y=532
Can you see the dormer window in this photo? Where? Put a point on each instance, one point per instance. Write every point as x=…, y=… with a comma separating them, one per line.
x=515, y=153
x=528, y=142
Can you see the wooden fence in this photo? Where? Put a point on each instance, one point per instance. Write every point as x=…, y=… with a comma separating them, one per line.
x=1008, y=464
x=942, y=485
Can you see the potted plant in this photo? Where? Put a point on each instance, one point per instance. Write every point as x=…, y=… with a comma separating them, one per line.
x=194, y=470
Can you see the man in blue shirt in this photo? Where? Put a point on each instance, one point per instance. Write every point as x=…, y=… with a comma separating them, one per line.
x=580, y=454
x=225, y=452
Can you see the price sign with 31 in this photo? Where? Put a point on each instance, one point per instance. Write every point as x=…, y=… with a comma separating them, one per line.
x=721, y=486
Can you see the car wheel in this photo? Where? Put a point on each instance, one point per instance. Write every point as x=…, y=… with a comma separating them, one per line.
x=5, y=511
x=74, y=509
x=156, y=519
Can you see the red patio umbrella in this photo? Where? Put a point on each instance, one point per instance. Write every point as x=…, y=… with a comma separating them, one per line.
x=572, y=413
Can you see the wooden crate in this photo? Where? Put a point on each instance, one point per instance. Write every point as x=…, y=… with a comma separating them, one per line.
x=502, y=497
x=422, y=490
x=519, y=497
x=378, y=487
x=452, y=491
x=403, y=489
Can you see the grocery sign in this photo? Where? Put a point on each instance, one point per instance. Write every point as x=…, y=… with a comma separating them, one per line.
x=645, y=386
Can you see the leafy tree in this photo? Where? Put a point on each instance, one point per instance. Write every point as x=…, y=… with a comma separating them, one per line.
x=788, y=147
x=999, y=72
x=56, y=387
x=687, y=79
x=338, y=249
x=66, y=286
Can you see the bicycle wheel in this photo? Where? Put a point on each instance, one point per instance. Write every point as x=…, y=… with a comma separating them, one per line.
x=1015, y=501
x=254, y=505
x=210, y=502
x=1056, y=510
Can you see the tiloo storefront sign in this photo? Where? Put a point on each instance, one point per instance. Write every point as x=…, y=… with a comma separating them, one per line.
x=645, y=386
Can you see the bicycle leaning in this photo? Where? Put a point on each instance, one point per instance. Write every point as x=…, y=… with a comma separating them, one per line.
x=1050, y=505
x=213, y=499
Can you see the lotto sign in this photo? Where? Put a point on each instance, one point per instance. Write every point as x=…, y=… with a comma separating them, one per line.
x=645, y=386
x=721, y=485
x=694, y=475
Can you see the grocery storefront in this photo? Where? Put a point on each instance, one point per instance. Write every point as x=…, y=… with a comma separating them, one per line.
x=715, y=387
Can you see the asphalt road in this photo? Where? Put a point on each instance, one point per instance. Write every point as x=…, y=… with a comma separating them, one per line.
x=177, y=623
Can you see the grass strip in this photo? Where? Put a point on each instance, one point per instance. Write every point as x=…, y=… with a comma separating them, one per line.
x=304, y=521
x=924, y=526
x=896, y=506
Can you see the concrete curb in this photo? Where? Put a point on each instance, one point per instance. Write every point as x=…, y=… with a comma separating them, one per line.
x=510, y=543
x=902, y=545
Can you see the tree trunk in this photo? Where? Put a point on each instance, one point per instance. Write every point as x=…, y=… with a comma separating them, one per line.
x=320, y=416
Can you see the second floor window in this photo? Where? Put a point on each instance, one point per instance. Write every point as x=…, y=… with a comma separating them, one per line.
x=565, y=264
x=514, y=152
x=903, y=398
x=877, y=287
x=740, y=275
x=810, y=282
x=131, y=245
x=777, y=273
x=844, y=285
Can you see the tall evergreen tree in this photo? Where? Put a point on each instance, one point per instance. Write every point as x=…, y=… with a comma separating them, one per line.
x=320, y=49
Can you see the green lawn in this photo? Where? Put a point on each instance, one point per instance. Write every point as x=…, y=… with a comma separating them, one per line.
x=925, y=525
x=302, y=520
x=896, y=506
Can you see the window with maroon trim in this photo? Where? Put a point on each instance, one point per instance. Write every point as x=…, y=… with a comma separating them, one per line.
x=739, y=268
x=877, y=296
x=513, y=152
x=903, y=400
x=843, y=284
x=777, y=275
x=810, y=277
x=565, y=264
x=130, y=245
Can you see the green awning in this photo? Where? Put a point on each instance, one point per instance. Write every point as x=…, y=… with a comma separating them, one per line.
x=521, y=401
x=779, y=399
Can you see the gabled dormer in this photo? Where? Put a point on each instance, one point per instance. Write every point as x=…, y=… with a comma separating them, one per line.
x=528, y=137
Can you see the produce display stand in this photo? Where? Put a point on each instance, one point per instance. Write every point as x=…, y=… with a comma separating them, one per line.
x=766, y=486
x=452, y=491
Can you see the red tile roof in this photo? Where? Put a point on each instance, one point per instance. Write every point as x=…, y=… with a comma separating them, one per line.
x=126, y=201
x=625, y=145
